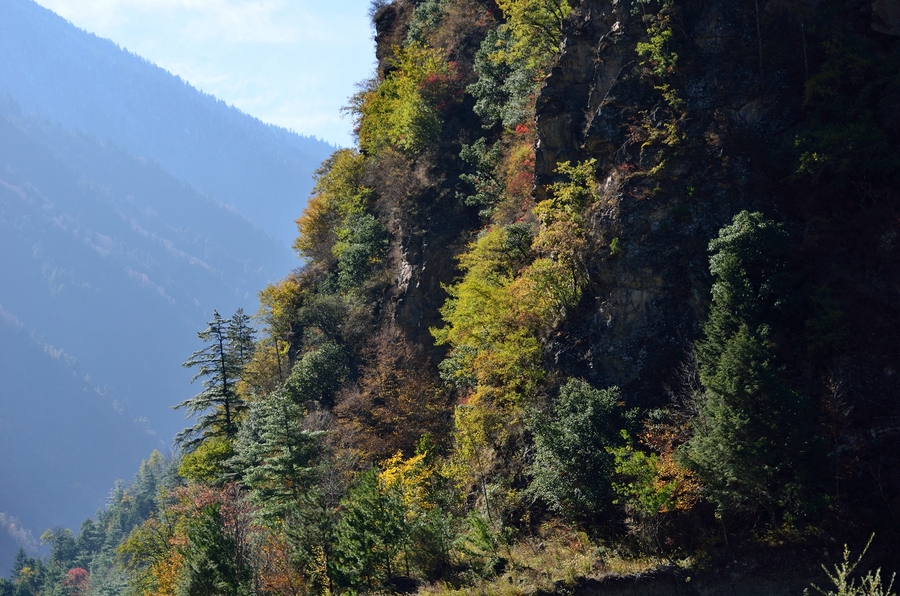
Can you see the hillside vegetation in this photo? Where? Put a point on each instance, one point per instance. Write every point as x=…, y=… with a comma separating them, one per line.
x=605, y=289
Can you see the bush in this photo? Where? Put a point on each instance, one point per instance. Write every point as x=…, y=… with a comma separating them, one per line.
x=572, y=466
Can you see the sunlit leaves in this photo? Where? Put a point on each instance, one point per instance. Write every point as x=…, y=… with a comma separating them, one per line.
x=404, y=109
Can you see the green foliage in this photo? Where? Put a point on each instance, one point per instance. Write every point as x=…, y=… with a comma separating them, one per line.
x=504, y=87
x=373, y=531
x=231, y=346
x=361, y=245
x=561, y=237
x=615, y=247
x=426, y=17
x=337, y=195
x=851, y=109
x=317, y=376
x=572, y=467
x=490, y=331
x=534, y=30
x=752, y=443
x=279, y=463
x=403, y=110
x=658, y=56
x=488, y=189
x=276, y=457
x=211, y=567
x=640, y=487
x=207, y=461
x=481, y=544
x=748, y=265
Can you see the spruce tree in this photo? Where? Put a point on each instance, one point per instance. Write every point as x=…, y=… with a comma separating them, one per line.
x=752, y=442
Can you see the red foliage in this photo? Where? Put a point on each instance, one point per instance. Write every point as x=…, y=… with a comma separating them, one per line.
x=521, y=183
x=523, y=129
x=442, y=90
x=76, y=581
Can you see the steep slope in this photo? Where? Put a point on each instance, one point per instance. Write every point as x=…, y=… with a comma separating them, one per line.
x=63, y=74
x=56, y=429
x=116, y=263
x=604, y=284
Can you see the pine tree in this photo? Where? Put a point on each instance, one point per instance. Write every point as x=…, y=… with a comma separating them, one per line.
x=219, y=406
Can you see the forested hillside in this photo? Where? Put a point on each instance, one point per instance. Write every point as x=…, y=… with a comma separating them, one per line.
x=64, y=75
x=604, y=299
x=131, y=205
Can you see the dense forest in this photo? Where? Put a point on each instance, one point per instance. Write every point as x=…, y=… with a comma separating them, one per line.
x=604, y=299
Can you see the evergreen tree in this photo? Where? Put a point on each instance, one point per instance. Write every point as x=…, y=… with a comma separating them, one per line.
x=219, y=406
x=752, y=443
x=572, y=467
x=373, y=531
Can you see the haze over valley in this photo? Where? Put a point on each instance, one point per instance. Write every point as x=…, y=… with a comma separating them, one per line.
x=131, y=206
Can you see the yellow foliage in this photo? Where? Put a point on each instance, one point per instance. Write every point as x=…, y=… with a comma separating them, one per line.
x=478, y=428
x=401, y=110
x=205, y=464
x=165, y=572
x=411, y=476
x=279, y=304
x=338, y=193
x=536, y=31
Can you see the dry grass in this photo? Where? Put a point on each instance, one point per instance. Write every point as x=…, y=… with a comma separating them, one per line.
x=557, y=557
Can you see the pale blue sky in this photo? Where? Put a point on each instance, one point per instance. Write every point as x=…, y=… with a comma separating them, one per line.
x=292, y=63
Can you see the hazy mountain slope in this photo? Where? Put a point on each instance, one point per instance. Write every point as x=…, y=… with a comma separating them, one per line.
x=67, y=75
x=114, y=261
x=97, y=242
x=56, y=433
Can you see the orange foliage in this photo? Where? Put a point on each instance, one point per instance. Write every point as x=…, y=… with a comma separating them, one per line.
x=665, y=437
x=272, y=558
x=395, y=400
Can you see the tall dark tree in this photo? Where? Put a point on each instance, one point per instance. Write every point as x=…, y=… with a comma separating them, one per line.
x=219, y=406
x=753, y=445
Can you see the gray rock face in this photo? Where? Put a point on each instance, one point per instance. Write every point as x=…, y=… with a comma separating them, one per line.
x=665, y=193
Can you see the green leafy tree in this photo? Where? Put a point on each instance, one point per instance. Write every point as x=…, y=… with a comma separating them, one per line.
x=373, y=531
x=504, y=86
x=219, y=406
x=362, y=244
x=278, y=461
x=404, y=110
x=535, y=30
x=316, y=376
x=572, y=467
x=210, y=565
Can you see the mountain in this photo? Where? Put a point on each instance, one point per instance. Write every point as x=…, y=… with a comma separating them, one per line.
x=66, y=75
x=131, y=207
x=56, y=433
x=115, y=263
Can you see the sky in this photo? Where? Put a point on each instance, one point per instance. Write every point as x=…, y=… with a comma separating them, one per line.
x=293, y=63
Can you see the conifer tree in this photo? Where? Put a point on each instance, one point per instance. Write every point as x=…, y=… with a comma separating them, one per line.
x=219, y=406
x=752, y=442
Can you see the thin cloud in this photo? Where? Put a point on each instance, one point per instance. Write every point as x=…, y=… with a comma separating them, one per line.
x=18, y=532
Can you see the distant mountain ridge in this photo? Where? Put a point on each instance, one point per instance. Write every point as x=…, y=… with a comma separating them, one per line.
x=131, y=206
x=64, y=74
x=116, y=264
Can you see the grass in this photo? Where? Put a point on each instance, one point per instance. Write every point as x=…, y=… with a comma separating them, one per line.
x=556, y=557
